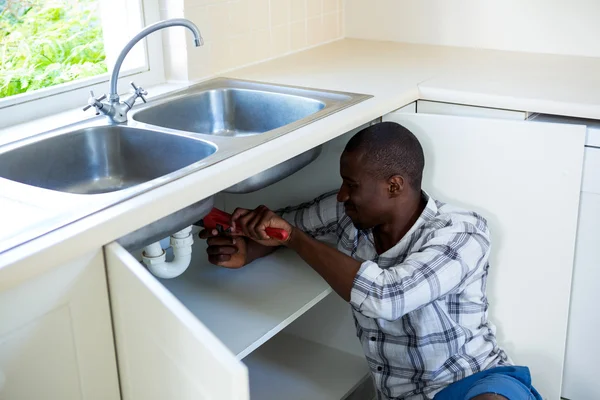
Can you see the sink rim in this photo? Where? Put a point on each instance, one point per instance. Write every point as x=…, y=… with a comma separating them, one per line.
x=96, y=122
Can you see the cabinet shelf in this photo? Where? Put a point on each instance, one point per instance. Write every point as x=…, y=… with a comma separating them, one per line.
x=246, y=307
x=293, y=368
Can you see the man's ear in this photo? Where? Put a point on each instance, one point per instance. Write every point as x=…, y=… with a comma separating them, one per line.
x=396, y=185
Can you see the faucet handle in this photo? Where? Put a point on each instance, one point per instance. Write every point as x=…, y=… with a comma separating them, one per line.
x=139, y=91
x=94, y=102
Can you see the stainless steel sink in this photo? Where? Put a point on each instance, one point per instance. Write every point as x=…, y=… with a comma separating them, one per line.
x=230, y=111
x=101, y=159
x=236, y=108
x=276, y=173
x=93, y=165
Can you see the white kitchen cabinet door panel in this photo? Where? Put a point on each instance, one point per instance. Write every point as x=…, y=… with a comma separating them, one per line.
x=163, y=351
x=524, y=178
x=56, y=340
x=581, y=363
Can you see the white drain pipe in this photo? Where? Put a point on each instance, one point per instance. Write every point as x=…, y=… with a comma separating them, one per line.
x=155, y=257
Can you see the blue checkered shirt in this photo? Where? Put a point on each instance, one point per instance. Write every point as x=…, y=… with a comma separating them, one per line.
x=420, y=308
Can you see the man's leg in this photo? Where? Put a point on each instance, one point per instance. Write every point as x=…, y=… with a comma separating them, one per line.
x=499, y=383
x=510, y=387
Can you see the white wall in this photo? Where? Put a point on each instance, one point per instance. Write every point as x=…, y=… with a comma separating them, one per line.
x=541, y=26
x=242, y=32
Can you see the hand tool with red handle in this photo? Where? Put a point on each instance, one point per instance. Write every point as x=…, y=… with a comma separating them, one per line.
x=221, y=221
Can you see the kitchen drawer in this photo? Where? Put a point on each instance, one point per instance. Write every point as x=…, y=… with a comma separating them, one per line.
x=440, y=108
x=592, y=137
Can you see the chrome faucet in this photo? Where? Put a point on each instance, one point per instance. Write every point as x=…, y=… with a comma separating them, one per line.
x=114, y=109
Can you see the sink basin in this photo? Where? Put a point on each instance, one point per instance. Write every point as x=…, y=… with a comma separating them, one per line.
x=230, y=112
x=237, y=108
x=101, y=159
x=276, y=173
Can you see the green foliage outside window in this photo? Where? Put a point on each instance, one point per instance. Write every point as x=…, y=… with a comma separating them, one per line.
x=48, y=42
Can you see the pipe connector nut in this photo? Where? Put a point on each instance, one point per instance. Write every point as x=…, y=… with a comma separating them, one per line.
x=182, y=242
x=154, y=260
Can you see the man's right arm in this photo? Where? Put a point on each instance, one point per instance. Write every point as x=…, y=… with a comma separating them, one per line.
x=317, y=218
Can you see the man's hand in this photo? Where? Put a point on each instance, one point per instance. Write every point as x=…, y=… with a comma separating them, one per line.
x=225, y=251
x=338, y=269
x=253, y=224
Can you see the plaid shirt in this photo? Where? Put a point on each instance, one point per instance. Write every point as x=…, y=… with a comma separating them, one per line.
x=420, y=308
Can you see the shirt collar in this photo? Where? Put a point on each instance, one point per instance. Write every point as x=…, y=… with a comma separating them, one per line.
x=428, y=213
x=430, y=210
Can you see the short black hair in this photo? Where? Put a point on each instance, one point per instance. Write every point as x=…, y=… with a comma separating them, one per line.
x=390, y=149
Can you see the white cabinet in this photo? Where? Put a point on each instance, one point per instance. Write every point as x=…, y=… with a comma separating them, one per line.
x=274, y=329
x=56, y=340
x=583, y=347
x=524, y=178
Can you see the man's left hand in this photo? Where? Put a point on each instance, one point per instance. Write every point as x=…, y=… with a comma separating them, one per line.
x=253, y=224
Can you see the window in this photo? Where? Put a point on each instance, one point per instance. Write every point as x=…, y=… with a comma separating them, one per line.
x=53, y=52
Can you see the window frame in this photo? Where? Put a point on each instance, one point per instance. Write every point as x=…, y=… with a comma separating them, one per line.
x=47, y=101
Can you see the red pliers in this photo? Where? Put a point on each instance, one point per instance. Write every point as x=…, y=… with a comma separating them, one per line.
x=221, y=221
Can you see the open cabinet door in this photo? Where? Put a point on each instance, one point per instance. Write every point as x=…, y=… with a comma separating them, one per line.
x=163, y=351
x=524, y=178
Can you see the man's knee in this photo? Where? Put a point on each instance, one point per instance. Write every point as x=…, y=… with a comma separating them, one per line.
x=489, y=396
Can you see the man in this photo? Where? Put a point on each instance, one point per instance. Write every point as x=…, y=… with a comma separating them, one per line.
x=412, y=268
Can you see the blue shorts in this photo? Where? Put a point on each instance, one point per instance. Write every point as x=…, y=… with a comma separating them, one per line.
x=514, y=383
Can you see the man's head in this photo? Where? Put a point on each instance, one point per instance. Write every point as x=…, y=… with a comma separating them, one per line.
x=381, y=168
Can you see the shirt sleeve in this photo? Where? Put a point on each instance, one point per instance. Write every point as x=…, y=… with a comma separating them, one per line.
x=444, y=264
x=318, y=218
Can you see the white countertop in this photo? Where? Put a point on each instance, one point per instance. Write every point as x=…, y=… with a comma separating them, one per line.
x=394, y=73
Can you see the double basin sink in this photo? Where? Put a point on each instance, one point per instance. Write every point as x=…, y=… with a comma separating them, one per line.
x=169, y=138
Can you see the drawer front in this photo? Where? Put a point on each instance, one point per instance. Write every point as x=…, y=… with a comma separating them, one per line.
x=592, y=137
x=440, y=108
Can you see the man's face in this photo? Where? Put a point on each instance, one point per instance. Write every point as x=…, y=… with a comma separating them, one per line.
x=366, y=198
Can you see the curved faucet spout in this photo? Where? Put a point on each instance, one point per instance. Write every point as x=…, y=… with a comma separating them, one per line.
x=198, y=41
